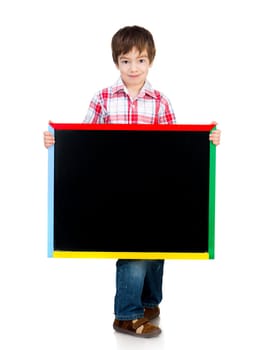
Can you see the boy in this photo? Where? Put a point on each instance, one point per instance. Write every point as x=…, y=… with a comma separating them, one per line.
x=132, y=100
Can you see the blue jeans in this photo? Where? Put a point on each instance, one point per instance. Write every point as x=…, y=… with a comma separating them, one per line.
x=138, y=285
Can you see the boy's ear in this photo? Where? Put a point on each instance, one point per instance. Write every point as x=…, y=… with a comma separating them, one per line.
x=116, y=65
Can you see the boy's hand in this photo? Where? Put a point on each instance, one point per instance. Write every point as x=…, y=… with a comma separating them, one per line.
x=48, y=139
x=215, y=136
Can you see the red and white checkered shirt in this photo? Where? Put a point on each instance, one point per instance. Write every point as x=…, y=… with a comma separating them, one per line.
x=113, y=105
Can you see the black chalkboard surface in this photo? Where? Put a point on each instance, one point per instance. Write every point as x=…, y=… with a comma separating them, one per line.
x=139, y=191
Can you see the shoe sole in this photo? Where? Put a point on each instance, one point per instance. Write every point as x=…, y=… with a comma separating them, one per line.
x=139, y=335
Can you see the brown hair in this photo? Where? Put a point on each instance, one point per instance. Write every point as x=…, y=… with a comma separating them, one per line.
x=132, y=36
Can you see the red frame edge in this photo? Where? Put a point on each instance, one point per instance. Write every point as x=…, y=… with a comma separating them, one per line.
x=145, y=127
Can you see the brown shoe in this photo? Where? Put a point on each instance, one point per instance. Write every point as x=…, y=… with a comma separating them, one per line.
x=138, y=328
x=151, y=313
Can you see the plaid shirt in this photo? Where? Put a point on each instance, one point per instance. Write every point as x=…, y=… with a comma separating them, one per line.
x=113, y=105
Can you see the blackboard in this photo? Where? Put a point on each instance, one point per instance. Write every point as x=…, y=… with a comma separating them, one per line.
x=131, y=191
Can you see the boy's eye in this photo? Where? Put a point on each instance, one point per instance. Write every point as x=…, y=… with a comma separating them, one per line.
x=124, y=61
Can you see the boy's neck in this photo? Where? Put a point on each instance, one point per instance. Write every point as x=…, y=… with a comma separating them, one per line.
x=133, y=91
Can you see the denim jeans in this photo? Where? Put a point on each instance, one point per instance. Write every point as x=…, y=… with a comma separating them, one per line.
x=138, y=285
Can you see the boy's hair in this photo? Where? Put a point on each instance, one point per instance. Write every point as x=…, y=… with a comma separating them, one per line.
x=132, y=36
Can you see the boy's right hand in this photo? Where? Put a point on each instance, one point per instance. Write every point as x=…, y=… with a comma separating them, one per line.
x=48, y=139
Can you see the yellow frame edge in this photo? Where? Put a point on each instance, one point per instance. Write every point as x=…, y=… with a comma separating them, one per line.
x=130, y=255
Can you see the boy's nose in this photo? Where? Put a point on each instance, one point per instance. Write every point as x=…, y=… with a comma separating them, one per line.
x=133, y=66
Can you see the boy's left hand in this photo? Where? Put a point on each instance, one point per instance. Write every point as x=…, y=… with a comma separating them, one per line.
x=215, y=136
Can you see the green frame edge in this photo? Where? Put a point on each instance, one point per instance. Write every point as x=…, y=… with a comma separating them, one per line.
x=211, y=210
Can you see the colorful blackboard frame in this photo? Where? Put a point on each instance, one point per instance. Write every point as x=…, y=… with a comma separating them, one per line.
x=57, y=152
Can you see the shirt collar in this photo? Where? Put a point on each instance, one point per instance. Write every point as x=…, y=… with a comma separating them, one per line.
x=146, y=89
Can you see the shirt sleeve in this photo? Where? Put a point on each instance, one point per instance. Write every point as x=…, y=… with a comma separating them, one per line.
x=166, y=113
x=95, y=112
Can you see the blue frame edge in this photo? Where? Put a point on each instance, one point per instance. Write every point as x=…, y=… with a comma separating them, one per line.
x=50, y=197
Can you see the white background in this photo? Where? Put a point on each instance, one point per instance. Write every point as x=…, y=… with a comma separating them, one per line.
x=216, y=60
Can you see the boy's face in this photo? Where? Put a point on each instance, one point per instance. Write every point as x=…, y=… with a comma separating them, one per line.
x=134, y=67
